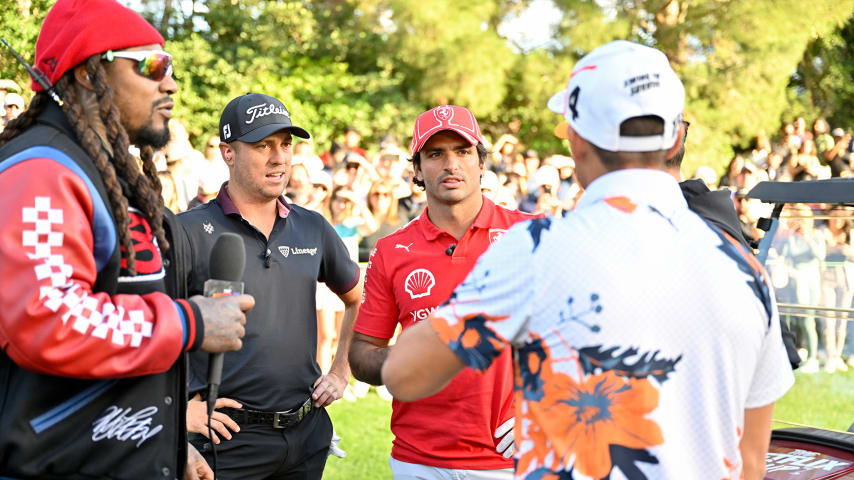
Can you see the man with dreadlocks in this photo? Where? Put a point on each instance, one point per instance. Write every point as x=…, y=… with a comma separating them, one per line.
x=92, y=368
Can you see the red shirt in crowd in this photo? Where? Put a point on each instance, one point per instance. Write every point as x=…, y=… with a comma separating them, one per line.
x=410, y=273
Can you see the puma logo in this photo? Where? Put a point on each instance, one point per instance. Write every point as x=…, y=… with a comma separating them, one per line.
x=405, y=247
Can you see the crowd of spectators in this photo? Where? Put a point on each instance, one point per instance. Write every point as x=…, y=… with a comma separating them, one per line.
x=368, y=192
x=811, y=260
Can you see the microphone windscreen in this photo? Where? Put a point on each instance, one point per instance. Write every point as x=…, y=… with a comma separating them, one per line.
x=228, y=258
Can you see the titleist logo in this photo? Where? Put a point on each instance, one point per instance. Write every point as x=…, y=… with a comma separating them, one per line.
x=263, y=110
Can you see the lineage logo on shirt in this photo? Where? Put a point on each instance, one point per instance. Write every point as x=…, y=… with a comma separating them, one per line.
x=286, y=251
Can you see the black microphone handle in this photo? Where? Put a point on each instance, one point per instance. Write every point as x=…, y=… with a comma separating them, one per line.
x=227, y=261
x=214, y=378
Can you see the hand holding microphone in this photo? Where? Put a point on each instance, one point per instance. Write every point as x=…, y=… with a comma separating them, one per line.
x=224, y=320
x=224, y=329
x=223, y=305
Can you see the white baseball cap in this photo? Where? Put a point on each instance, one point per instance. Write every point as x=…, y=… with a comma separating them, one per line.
x=618, y=81
x=547, y=175
x=489, y=181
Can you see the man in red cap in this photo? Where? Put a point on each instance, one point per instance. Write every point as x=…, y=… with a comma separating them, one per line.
x=93, y=360
x=466, y=429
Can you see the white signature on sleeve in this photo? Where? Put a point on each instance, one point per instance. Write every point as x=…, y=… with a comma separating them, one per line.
x=119, y=424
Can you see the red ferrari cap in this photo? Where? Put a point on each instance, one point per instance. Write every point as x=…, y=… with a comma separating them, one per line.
x=444, y=117
x=74, y=30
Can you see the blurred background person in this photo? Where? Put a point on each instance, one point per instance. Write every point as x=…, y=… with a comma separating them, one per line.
x=803, y=249
x=837, y=286
x=13, y=105
x=775, y=170
x=357, y=174
x=318, y=200
x=352, y=220
x=208, y=190
x=168, y=190
x=304, y=153
x=532, y=163
x=489, y=184
x=299, y=188
x=838, y=157
x=413, y=201
x=216, y=170
x=543, y=196
x=806, y=165
x=708, y=176
x=184, y=175
x=6, y=86
x=333, y=157
x=383, y=206
x=733, y=170
x=352, y=140
x=505, y=152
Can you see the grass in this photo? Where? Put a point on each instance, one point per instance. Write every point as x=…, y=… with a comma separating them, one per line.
x=821, y=399
x=365, y=436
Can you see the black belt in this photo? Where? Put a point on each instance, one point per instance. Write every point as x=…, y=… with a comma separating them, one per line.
x=282, y=420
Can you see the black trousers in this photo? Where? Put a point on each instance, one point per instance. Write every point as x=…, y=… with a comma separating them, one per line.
x=261, y=452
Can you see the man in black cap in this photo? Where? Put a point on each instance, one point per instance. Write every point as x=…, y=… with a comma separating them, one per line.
x=271, y=412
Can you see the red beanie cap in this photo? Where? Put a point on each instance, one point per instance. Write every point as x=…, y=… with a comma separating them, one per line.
x=74, y=30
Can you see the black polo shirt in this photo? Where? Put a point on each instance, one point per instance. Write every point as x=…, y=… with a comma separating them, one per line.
x=277, y=365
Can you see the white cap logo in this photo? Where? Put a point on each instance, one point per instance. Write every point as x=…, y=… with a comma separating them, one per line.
x=419, y=283
x=495, y=234
x=444, y=113
x=262, y=110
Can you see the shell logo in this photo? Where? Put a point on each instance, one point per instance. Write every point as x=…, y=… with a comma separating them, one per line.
x=419, y=283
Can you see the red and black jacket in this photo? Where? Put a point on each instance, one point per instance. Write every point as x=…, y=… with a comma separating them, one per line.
x=92, y=368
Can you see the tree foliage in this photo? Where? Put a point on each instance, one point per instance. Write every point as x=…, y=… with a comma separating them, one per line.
x=376, y=64
x=823, y=85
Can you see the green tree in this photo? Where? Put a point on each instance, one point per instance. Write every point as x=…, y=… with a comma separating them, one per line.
x=19, y=25
x=823, y=85
x=735, y=58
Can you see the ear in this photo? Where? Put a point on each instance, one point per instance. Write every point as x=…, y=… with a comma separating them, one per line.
x=577, y=146
x=227, y=152
x=417, y=169
x=678, y=142
x=82, y=78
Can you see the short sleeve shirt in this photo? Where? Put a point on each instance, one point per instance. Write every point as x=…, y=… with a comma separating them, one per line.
x=276, y=367
x=634, y=325
x=409, y=274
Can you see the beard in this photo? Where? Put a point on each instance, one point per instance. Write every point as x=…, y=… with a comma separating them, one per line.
x=150, y=136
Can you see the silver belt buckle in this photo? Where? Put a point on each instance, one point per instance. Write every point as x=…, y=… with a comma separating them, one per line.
x=276, y=423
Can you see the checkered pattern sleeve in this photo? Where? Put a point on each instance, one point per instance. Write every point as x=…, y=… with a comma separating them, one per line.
x=493, y=306
x=51, y=321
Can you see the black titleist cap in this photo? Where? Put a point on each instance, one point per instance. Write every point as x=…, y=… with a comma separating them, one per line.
x=253, y=117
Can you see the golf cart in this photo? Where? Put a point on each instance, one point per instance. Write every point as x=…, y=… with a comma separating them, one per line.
x=805, y=452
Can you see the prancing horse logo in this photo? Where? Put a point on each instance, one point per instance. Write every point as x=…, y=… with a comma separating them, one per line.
x=495, y=234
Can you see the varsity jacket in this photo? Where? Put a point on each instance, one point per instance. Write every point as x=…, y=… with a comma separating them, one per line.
x=92, y=367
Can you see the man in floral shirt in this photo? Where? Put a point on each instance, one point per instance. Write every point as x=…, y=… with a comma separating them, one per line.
x=645, y=341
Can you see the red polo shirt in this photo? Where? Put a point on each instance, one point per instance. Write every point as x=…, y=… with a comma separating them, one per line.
x=409, y=274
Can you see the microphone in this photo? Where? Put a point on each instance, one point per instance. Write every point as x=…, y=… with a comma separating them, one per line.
x=450, y=250
x=227, y=261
